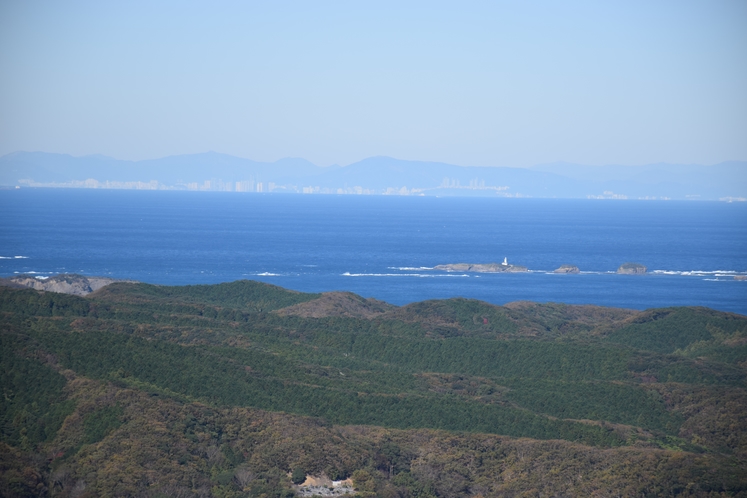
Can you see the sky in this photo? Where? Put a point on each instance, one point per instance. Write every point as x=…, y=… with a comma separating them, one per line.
x=470, y=83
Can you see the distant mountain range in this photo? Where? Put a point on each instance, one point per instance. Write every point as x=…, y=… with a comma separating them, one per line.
x=377, y=175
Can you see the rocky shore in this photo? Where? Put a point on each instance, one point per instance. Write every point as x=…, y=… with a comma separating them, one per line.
x=66, y=283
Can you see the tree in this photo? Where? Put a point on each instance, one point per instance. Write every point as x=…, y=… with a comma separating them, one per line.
x=298, y=476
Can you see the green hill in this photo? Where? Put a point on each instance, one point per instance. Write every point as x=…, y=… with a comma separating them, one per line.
x=224, y=390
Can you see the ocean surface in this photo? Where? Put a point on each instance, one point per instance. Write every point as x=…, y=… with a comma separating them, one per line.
x=386, y=247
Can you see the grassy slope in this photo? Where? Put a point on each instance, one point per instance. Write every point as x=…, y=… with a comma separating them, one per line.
x=668, y=379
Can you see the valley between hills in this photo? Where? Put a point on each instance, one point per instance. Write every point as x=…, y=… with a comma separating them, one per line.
x=249, y=389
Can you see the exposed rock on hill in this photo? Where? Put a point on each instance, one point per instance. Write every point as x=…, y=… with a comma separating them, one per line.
x=567, y=269
x=324, y=486
x=482, y=268
x=631, y=269
x=64, y=283
x=338, y=304
x=6, y=282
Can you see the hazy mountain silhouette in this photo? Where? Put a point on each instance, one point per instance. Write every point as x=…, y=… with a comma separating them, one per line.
x=376, y=174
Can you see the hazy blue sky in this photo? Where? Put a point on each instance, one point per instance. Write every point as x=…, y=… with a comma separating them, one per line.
x=471, y=83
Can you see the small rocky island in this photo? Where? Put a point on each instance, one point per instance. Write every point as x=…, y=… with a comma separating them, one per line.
x=631, y=269
x=483, y=267
x=567, y=269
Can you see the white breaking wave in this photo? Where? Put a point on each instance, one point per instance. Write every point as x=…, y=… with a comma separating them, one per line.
x=699, y=273
x=14, y=257
x=422, y=275
x=268, y=274
x=409, y=268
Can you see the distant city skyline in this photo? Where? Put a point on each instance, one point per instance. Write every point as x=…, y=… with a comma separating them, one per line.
x=376, y=176
x=474, y=84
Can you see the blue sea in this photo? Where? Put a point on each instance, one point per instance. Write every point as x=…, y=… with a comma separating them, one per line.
x=386, y=247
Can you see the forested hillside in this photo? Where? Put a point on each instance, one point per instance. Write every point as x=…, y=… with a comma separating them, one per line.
x=234, y=389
